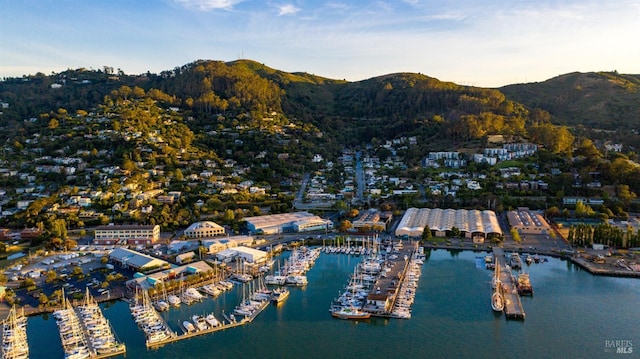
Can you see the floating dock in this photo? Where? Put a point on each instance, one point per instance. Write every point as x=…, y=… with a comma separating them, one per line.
x=222, y=326
x=512, y=304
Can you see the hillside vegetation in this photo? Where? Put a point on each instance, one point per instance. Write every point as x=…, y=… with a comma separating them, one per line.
x=245, y=93
x=600, y=100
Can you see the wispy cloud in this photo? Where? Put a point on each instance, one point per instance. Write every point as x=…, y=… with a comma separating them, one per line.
x=287, y=9
x=206, y=5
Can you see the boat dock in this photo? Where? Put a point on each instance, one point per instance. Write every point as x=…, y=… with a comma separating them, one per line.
x=385, y=291
x=513, y=305
x=223, y=326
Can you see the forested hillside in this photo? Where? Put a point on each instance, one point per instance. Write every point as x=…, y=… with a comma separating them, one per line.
x=246, y=93
x=601, y=100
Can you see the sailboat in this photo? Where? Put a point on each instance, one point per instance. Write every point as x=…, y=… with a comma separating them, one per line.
x=496, y=275
x=497, y=301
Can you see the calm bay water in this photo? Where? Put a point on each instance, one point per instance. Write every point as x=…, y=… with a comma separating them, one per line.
x=572, y=315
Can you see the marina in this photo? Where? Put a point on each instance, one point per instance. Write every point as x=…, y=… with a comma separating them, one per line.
x=447, y=304
x=14, y=336
x=382, y=285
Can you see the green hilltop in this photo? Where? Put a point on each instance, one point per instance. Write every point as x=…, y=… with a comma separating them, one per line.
x=600, y=100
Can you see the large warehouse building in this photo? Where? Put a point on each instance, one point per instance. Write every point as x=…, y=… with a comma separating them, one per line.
x=127, y=258
x=528, y=222
x=471, y=223
x=287, y=223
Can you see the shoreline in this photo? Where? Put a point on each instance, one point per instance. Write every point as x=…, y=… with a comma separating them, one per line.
x=592, y=268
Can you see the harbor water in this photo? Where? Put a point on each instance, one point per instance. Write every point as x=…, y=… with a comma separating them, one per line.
x=572, y=315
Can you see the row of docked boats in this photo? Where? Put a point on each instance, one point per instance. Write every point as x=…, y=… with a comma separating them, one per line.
x=100, y=334
x=201, y=323
x=406, y=295
x=14, y=336
x=349, y=304
x=350, y=250
x=148, y=319
x=73, y=340
x=253, y=300
x=192, y=295
x=295, y=268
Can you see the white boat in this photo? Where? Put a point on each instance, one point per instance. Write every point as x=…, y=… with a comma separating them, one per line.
x=275, y=279
x=350, y=312
x=161, y=305
x=212, y=320
x=174, y=300
x=497, y=301
x=211, y=290
x=226, y=284
x=200, y=322
x=280, y=295
x=188, y=326
x=297, y=280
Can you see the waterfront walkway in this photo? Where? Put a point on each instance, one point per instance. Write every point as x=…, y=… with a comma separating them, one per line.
x=513, y=306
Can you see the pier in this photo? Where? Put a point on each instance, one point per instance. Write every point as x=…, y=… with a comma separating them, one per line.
x=386, y=290
x=513, y=305
x=222, y=326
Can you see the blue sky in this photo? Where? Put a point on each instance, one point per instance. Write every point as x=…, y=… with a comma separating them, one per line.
x=471, y=42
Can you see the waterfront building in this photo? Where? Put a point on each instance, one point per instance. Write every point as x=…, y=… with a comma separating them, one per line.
x=246, y=254
x=471, y=223
x=149, y=281
x=526, y=221
x=129, y=234
x=128, y=258
x=287, y=222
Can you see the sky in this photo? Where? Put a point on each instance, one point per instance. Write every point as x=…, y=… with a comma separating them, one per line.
x=470, y=42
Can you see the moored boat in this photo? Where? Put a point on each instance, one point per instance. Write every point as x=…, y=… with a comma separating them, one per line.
x=524, y=284
x=212, y=320
x=188, y=326
x=497, y=301
x=280, y=295
x=350, y=313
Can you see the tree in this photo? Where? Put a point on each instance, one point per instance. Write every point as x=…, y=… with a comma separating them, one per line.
x=426, y=234
x=43, y=299
x=51, y=276
x=345, y=226
x=515, y=235
x=28, y=282
x=77, y=271
x=455, y=232
x=53, y=124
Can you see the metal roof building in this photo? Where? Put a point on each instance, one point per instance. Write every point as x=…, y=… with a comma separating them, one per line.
x=287, y=222
x=135, y=260
x=471, y=223
x=526, y=221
